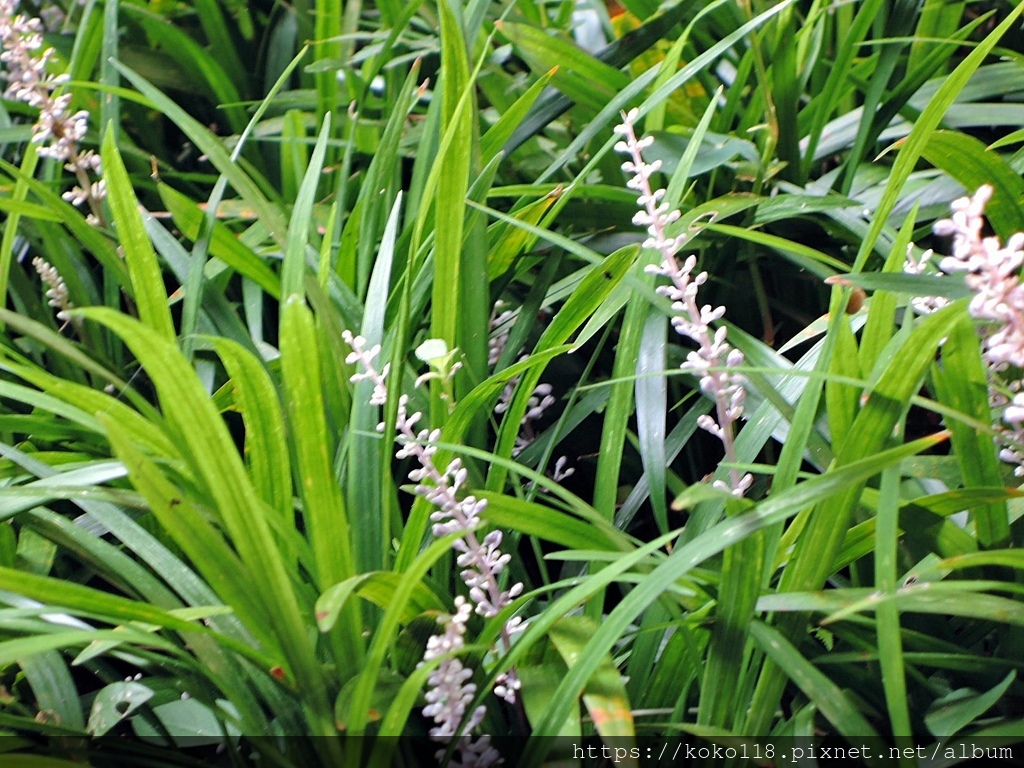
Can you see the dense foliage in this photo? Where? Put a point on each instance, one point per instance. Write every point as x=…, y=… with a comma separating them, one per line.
x=351, y=386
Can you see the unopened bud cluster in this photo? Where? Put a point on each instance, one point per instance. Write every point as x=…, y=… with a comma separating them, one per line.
x=715, y=360
x=451, y=693
x=56, y=289
x=540, y=400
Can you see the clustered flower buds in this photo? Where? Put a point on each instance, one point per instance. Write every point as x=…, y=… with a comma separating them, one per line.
x=481, y=561
x=56, y=289
x=991, y=269
x=540, y=400
x=714, y=359
x=500, y=325
x=57, y=131
x=992, y=272
x=451, y=693
x=911, y=266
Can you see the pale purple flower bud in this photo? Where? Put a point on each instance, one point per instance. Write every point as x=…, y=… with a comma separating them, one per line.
x=1014, y=413
x=56, y=289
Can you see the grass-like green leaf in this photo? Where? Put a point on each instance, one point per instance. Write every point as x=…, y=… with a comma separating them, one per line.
x=223, y=244
x=294, y=268
x=961, y=382
x=955, y=711
x=218, y=468
x=589, y=294
x=266, y=447
x=324, y=512
x=269, y=215
x=605, y=693
x=682, y=560
x=830, y=700
x=972, y=164
x=379, y=587
x=143, y=269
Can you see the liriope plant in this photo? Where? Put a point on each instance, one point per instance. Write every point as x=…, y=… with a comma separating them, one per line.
x=220, y=555
x=222, y=538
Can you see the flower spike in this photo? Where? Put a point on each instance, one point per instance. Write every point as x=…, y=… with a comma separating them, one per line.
x=481, y=563
x=714, y=357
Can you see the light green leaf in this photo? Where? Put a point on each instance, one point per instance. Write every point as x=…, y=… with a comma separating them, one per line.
x=952, y=713
x=605, y=693
x=115, y=703
x=143, y=268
